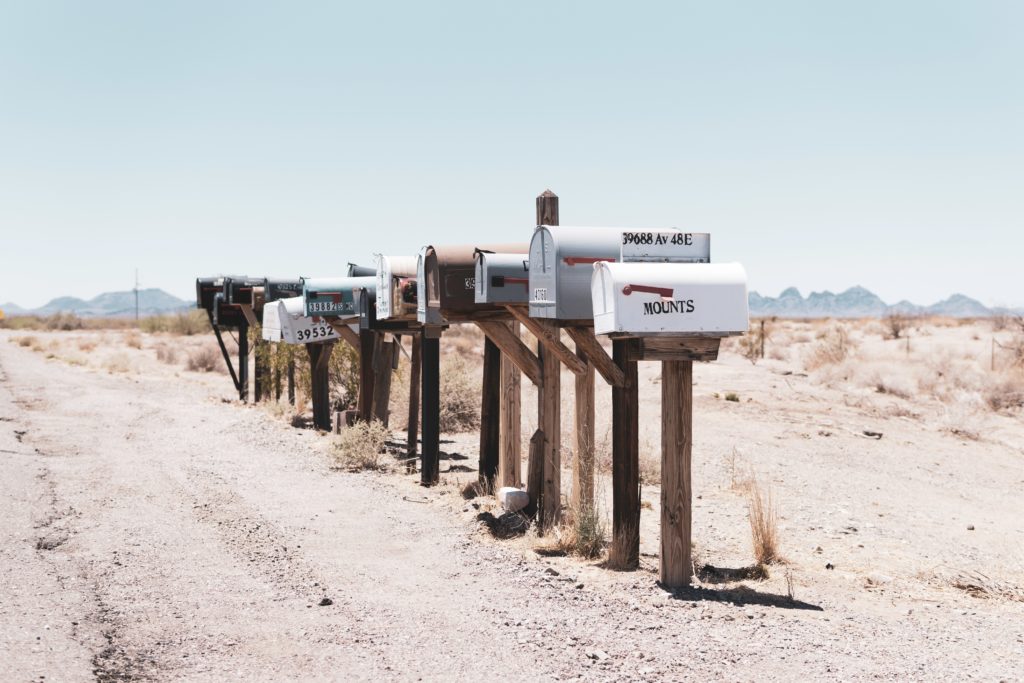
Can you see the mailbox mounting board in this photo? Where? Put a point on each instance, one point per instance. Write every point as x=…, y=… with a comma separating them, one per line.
x=561, y=264
x=665, y=299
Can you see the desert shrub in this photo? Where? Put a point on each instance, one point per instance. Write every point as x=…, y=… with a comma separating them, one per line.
x=167, y=354
x=460, y=395
x=87, y=345
x=1004, y=396
x=832, y=346
x=732, y=396
x=133, y=339
x=187, y=323
x=586, y=534
x=343, y=369
x=360, y=446
x=26, y=342
x=764, y=523
x=117, y=363
x=205, y=359
x=63, y=321
x=895, y=324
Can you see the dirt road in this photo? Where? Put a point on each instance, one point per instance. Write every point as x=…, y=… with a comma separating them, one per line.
x=151, y=530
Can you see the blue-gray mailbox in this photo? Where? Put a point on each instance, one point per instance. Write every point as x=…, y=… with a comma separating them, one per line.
x=333, y=297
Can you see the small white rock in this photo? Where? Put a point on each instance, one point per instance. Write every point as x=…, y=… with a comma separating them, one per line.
x=513, y=499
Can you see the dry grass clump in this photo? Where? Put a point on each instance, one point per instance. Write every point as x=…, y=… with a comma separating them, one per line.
x=205, y=359
x=167, y=354
x=466, y=340
x=133, y=339
x=1005, y=396
x=186, y=323
x=360, y=446
x=87, y=345
x=978, y=585
x=764, y=524
x=585, y=534
x=460, y=397
x=26, y=342
x=117, y=363
x=832, y=347
x=343, y=370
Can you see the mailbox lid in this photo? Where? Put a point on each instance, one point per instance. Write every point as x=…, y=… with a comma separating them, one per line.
x=282, y=288
x=333, y=296
x=502, y=278
x=395, y=274
x=661, y=299
x=446, y=279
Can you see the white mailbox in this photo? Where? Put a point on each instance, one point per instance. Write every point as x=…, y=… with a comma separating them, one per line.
x=669, y=299
x=283, y=321
x=502, y=278
x=562, y=261
x=396, y=287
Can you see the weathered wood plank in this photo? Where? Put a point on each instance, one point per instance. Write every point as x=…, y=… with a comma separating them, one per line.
x=412, y=433
x=510, y=455
x=347, y=334
x=595, y=353
x=550, y=419
x=583, y=460
x=625, y=547
x=674, y=348
x=490, y=400
x=535, y=473
x=319, y=363
x=384, y=355
x=514, y=348
x=364, y=405
x=548, y=335
x=676, y=446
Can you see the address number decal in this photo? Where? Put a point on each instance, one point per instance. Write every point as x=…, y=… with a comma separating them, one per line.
x=667, y=246
x=314, y=333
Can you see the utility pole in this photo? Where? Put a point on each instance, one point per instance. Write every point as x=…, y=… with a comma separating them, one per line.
x=136, y=290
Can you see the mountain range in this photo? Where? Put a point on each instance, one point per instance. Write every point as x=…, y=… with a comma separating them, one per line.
x=855, y=302
x=109, y=305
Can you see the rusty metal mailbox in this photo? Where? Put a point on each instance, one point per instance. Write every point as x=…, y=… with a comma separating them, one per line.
x=396, y=287
x=332, y=297
x=502, y=278
x=669, y=299
x=562, y=261
x=446, y=277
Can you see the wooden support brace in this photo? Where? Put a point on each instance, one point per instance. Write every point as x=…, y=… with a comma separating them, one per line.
x=513, y=348
x=347, y=334
x=548, y=335
x=593, y=352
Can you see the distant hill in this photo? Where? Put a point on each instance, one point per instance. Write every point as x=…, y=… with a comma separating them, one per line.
x=109, y=305
x=858, y=302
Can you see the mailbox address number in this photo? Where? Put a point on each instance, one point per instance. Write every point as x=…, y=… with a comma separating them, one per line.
x=321, y=332
x=658, y=238
x=651, y=245
x=328, y=307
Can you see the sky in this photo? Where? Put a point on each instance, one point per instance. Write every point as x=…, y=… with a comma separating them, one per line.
x=822, y=144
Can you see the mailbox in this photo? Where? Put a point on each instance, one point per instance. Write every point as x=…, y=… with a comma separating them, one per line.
x=502, y=278
x=238, y=290
x=206, y=290
x=283, y=320
x=332, y=297
x=562, y=261
x=669, y=299
x=355, y=270
x=396, y=287
x=446, y=279
x=274, y=289
x=227, y=315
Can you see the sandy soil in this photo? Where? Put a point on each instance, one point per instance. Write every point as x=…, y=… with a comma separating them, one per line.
x=154, y=528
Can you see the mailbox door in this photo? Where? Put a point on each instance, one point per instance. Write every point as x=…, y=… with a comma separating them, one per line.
x=271, y=323
x=659, y=299
x=392, y=274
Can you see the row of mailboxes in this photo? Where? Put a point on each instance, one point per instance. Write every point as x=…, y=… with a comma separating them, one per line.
x=663, y=299
x=285, y=320
x=501, y=278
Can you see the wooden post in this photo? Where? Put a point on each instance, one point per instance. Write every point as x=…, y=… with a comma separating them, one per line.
x=414, y=402
x=277, y=372
x=509, y=452
x=431, y=400
x=535, y=472
x=383, y=367
x=319, y=364
x=489, y=418
x=259, y=369
x=549, y=409
x=676, y=488
x=243, y=362
x=762, y=339
x=291, y=376
x=583, y=462
x=625, y=548
x=364, y=404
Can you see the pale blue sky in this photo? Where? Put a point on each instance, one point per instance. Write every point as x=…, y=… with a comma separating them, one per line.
x=823, y=144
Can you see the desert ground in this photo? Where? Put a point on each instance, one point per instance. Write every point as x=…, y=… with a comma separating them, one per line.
x=156, y=528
